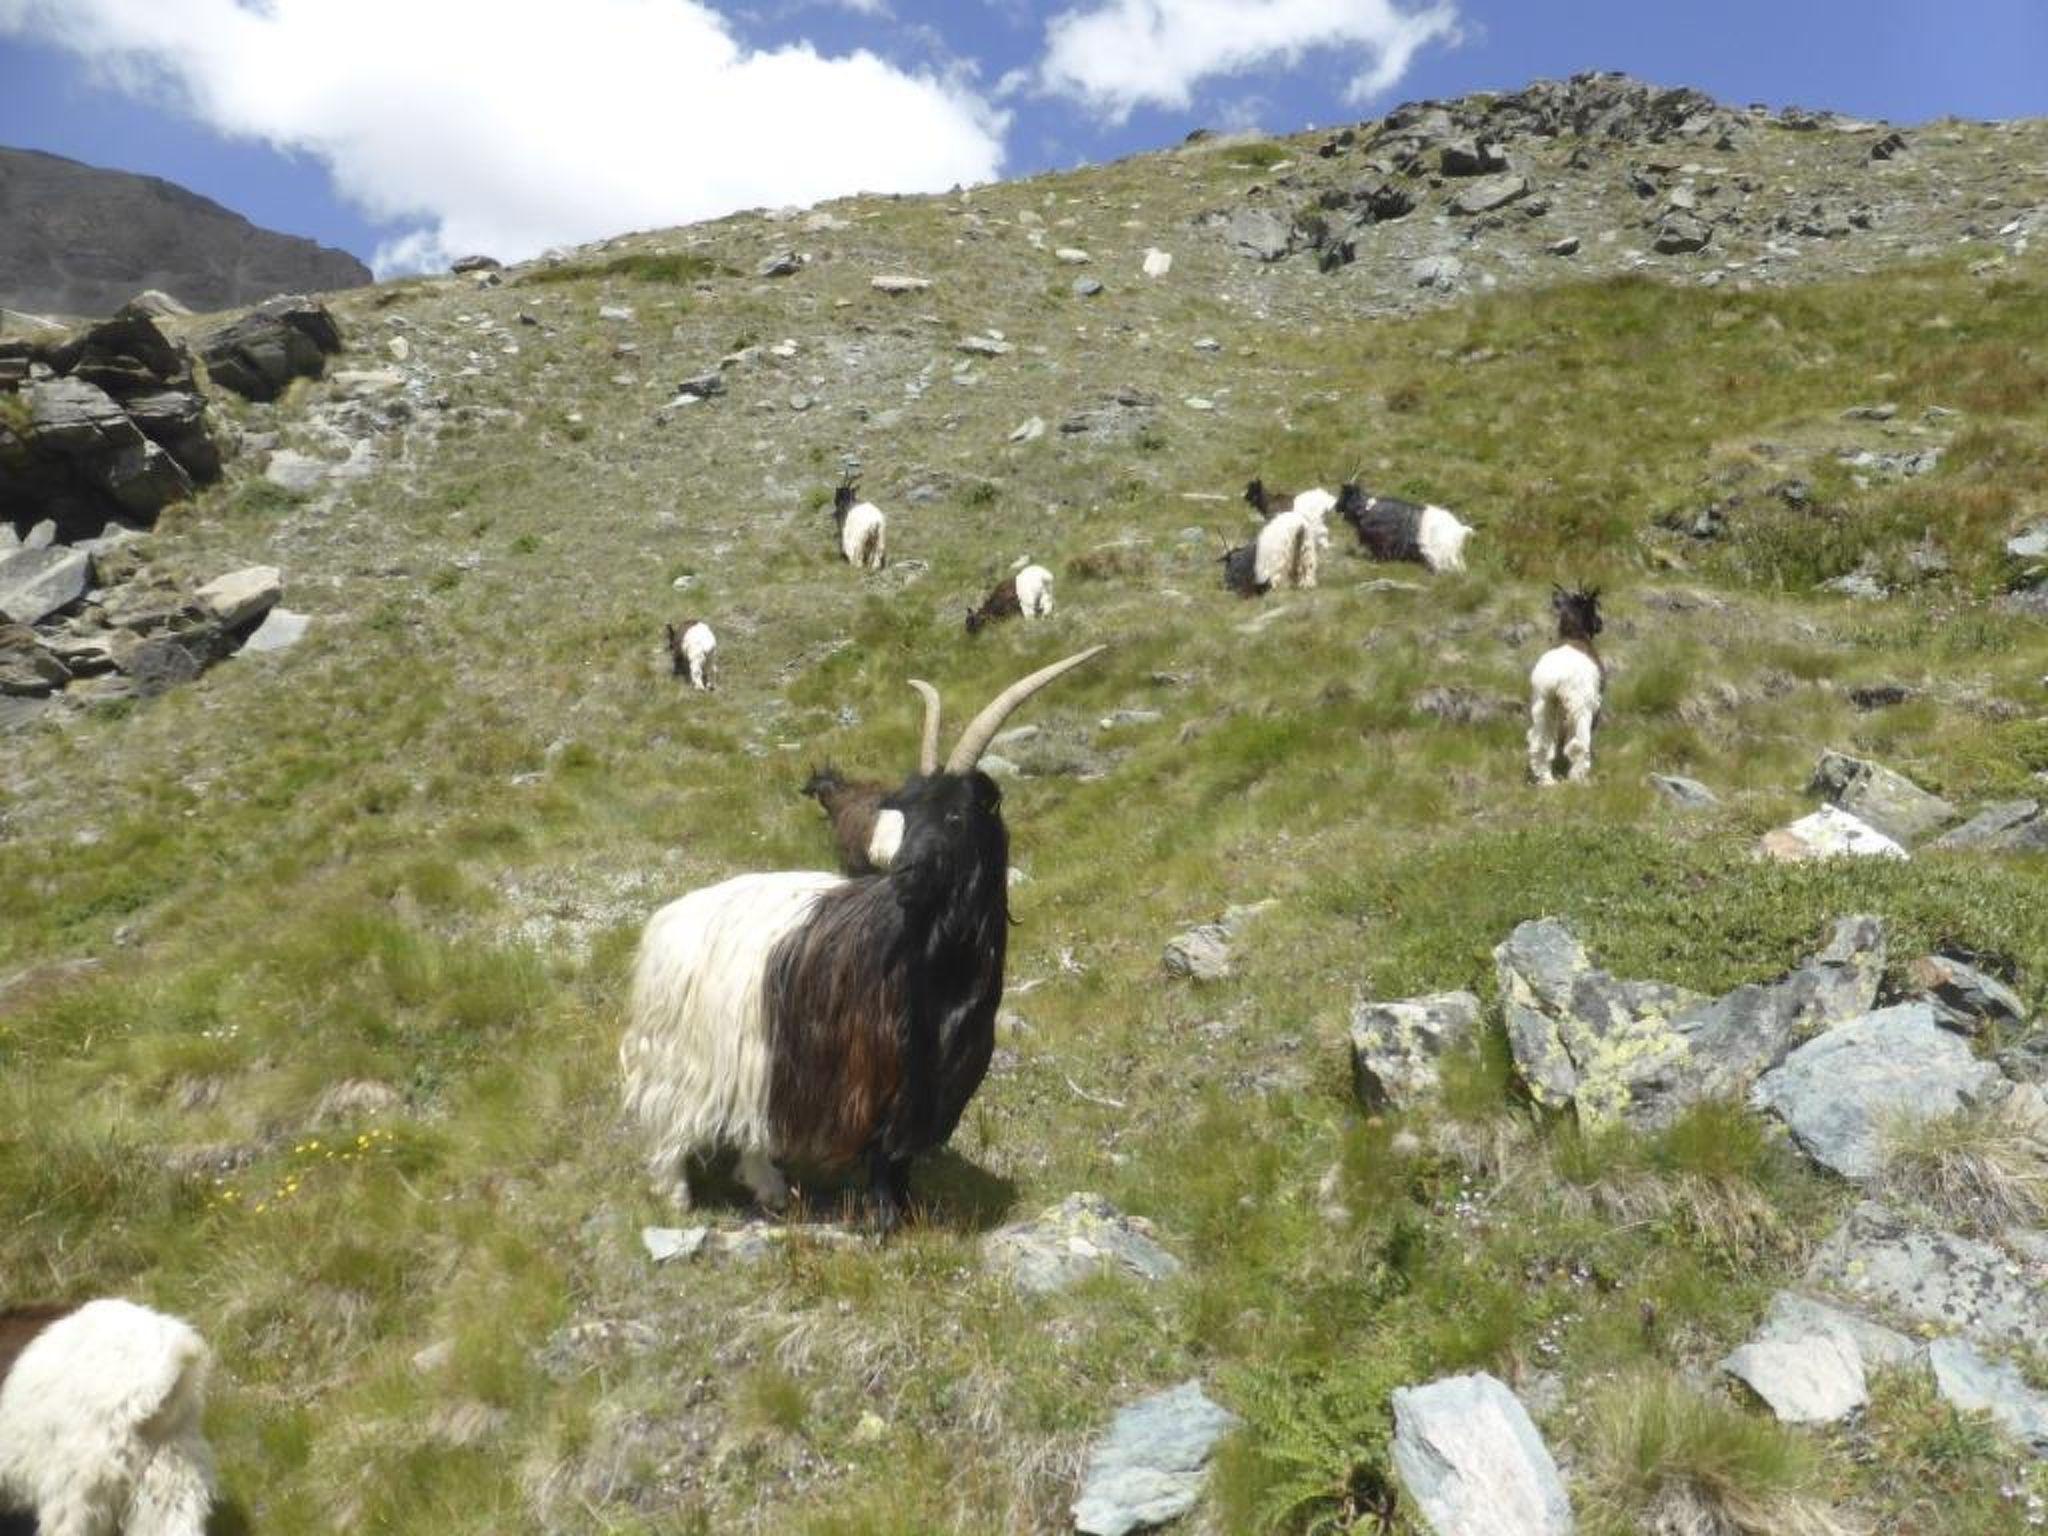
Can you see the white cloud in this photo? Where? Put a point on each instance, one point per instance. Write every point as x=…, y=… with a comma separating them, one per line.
x=508, y=127
x=1122, y=54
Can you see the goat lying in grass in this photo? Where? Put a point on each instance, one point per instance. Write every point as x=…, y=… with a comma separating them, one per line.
x=1565, y=689
x=99, y=1420
x=862, y=528
x=803, y=1016
x=1028, y=594
x=1391, y=529
x=691, y=653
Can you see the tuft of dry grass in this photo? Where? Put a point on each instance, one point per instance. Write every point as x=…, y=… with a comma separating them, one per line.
x=1982, y=1170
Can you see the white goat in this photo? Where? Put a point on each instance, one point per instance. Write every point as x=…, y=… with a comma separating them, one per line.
x=1285, y=553
x=1565, y=689
x=862, y=528
x=691, y=653
x=99, y=1420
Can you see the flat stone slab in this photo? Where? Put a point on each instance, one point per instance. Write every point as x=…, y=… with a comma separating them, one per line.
x=1395, y=1047
x=280, y=630
x=1841, y=1094
x=35, y=583
x=1471, y=1460
x=1490, y=192
x=897, y=282
x=1686, y=794
x=1977, y=1385
x=1793, y=1316
x=294, y=471
x=241, y=596
x=745, y=1245
x=1083, y=1236
x=1941, y=1281
x=1829, y=833
x=1151, y=1465
x=2011, y=826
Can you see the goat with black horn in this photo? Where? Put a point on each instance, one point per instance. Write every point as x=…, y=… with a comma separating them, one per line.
x=802, y=1016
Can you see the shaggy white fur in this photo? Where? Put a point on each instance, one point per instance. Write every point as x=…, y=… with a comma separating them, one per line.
x=99, y=1425
x=696, y=1052
x=862, y=535
x=1285, y=554
x=698, y=644
x=1564, y=703
x=886, y=839
x=1315, y=504
x=1034, y=591
x=1442, y=539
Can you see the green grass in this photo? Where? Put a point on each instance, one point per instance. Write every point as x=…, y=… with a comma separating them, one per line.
x=416, y=851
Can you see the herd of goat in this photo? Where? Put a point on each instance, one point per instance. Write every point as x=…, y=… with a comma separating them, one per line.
x=829, y=1020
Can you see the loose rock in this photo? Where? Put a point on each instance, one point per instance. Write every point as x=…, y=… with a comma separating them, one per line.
x=1151, y=1466
x=1829, y=833
x=1875, y=795
x=1468, y=1455
x=1395, y=1047
x=1083, y=1236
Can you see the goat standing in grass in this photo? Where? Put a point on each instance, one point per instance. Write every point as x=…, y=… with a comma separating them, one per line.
x=1565, y=689
x=862, y=528
x=1391, y=529
x=691, y=653
x=1028, y=594
x=1313, y=504
x=803, y=1016
x=866, y=830
x=99, y=1420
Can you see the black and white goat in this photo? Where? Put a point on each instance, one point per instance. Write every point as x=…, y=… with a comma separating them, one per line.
x=1391, y=529
x=1028, y=594
x=99, y=1420
x=1565, y=688
x=692, y=653
x=862, y=528
x=804, y=1016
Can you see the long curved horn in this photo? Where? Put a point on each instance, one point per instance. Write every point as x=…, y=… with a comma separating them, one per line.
x=981, y=730
x=928, y=749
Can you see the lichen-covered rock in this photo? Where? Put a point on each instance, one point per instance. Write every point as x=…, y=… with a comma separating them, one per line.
x=1472, y=1462
x=1151, y=1465
x=1201, y=954
x=1795, y=1316
x=1083, y=1236
x=1843, y=1093
x=1977, y=1385
x=1874, y=794
x=1942, y=1281
x=1643, y=1051
x=2011, y=826
x=1964, y=997
x=1395, y=1047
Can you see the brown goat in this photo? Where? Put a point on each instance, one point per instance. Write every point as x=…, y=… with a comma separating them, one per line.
x=853, y=806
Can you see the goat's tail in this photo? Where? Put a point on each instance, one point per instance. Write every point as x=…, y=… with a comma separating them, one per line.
x=871, y=549
x=1300, y=572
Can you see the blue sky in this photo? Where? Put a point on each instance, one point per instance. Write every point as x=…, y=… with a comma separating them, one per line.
x=410, y=130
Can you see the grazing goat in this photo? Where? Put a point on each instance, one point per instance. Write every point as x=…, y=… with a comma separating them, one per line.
x=804, y=1016
x=691, y=653
x=1391, y=529
x=1028, y=593
x=99, y=1420
x=1313, y=504
x=1239, y=573
x=861, y=527
x=1564, y=690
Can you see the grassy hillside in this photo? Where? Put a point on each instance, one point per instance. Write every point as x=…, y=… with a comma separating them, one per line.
x=340, y=1083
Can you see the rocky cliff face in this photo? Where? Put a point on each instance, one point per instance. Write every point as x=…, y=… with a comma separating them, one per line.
x=79, y=240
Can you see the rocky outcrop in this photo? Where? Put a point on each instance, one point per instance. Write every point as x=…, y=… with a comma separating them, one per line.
x=1643, y=1051
x=105, y=426
x=259, y=354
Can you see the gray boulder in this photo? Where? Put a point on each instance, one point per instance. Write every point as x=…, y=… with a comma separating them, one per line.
x=1436, y=271
x=240, y=597
x=1794, y=1316
x=280, y=630
x=2030, y=545
x=1395, y=1047
x=1680, y=233
x=1643, y=1051
x=1874, y=794
x=2011, y=826
x=1472, y=1462
x=1686, y=794
x=1841, y=1094
x=1963, y=997
x=1829, y=833
x=1942, y=1281
x=1151, y=1465
x=1471, y=157
x=1083, y=1236
x=1816, y=1378
x=1258, y=234
x=1201, y=954
x=1490, y=192
x=259, y=354
x=35, y=583
x=1977, y=1385
x=27, y=670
